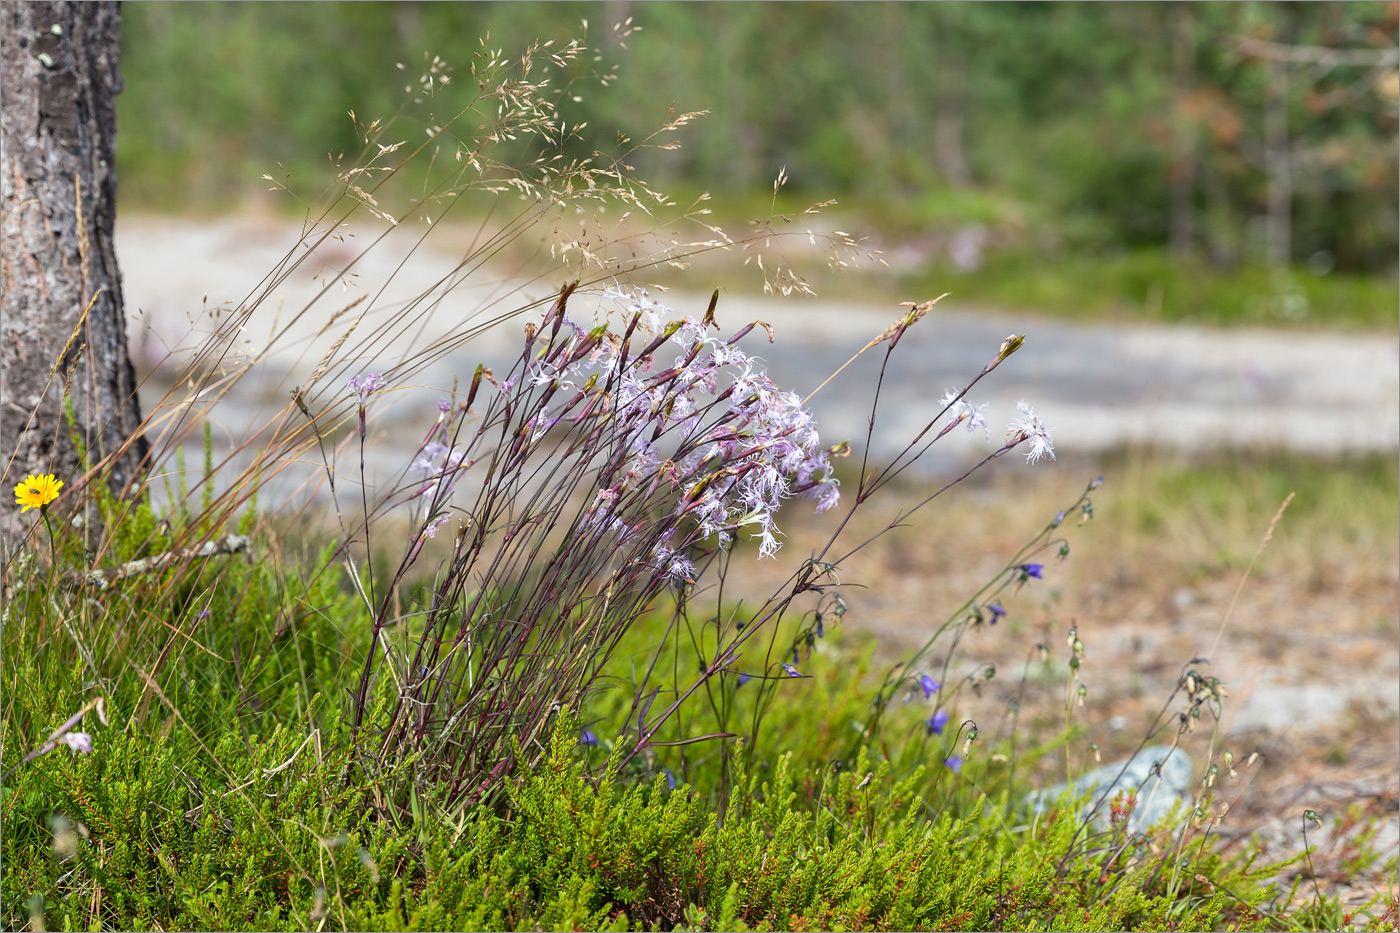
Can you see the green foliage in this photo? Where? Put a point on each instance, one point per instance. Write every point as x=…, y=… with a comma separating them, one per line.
x=165, y=830
x=1338, y=504
x=225, y=797
x=1147, y=285
x=129, y=527
x=1085, y=114
x=263, y=834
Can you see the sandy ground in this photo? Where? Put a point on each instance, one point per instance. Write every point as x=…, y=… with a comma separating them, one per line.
x=1309, y=651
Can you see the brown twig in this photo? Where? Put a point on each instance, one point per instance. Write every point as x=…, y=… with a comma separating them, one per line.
x=102, y=578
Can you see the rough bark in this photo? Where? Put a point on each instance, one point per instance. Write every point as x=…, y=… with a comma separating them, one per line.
x=59, y=79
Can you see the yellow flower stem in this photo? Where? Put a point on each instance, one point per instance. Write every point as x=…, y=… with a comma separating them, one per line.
x=53, y=558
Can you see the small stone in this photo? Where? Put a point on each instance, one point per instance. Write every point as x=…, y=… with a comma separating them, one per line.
x=1156, y=795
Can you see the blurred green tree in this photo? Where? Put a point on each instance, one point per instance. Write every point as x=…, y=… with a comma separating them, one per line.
x=1099, y=127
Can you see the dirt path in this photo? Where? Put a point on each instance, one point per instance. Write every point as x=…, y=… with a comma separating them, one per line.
x=1099, y=387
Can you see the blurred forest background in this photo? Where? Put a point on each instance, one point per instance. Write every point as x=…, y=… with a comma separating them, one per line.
x=1212, y=162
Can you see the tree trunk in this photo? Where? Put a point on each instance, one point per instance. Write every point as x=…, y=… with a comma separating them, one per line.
x=60, y=289
x=949, y=146
x=1278, y=165
x=1182, y=227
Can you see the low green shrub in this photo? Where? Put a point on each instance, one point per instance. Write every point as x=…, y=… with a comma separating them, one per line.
x=156, y=832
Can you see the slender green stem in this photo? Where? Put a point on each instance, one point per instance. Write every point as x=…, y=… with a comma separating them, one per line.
x=1309, y=815
x=53, y=554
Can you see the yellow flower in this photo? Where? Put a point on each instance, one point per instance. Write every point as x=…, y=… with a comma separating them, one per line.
x=37, y=491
